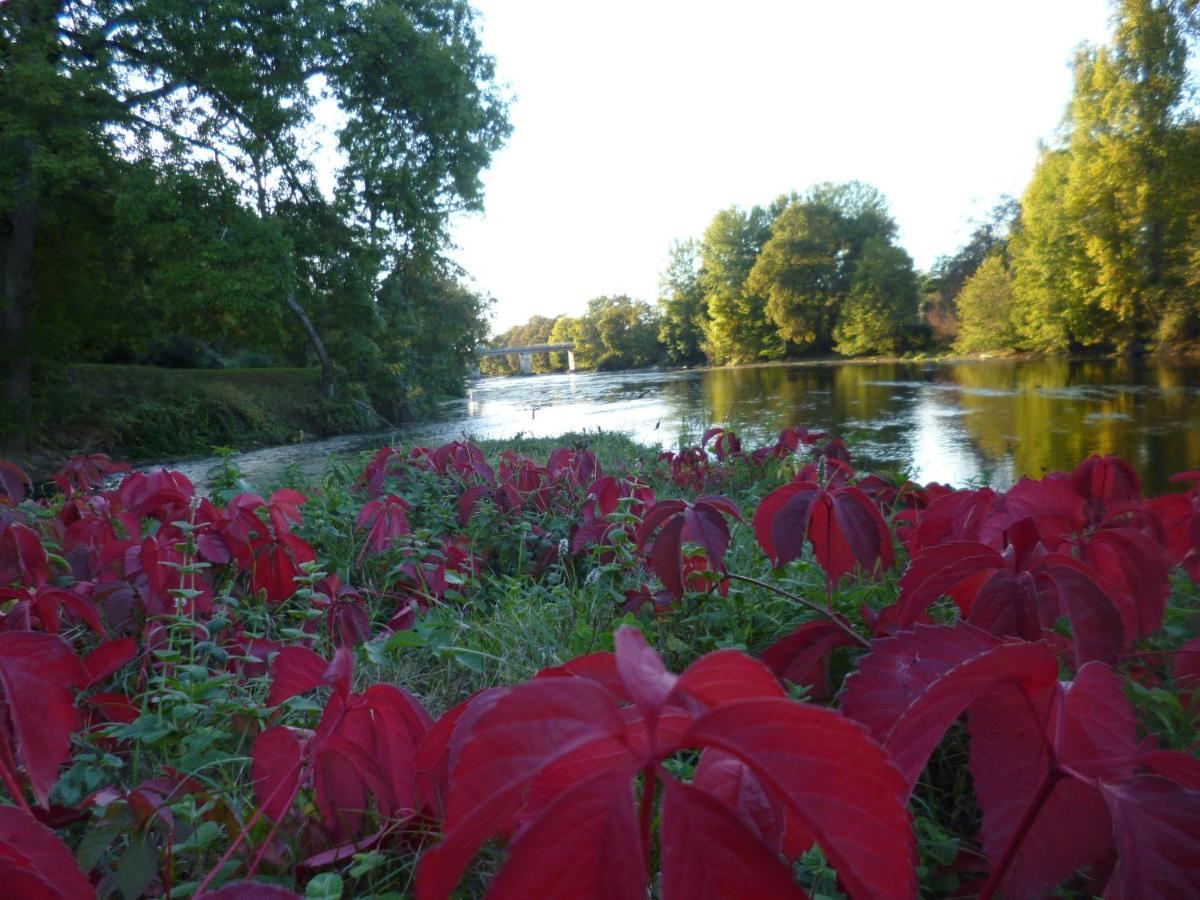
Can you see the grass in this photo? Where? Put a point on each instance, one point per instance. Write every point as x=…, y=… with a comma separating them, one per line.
x=144, y=414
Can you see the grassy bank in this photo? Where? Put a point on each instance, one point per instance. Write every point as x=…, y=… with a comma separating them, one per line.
x=146, y=414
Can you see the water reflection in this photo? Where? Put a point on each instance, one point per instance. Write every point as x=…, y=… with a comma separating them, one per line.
x=956, y=422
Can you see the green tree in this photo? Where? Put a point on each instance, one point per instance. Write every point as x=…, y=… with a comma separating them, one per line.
x=985, y=309
x=681, y=305
x=737, y=329
x=536, y=331
x=82, y=81
x=949, y=273
x=432, y=323
x=882, y=302
x=806, y=269
x=1053, y=281
x=1124, y=185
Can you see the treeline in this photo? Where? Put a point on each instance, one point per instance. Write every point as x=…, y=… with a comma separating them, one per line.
x=159, y=195
x=1102, y=251
x=809, y=273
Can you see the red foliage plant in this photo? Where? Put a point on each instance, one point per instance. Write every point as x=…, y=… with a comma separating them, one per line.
x=556, y=765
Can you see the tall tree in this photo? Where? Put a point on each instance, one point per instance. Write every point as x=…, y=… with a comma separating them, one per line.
x=986, y=309
x=737, y=328
x=806, y=269
x=882, y=302
x=988, y=236
x=1126, y=162
x=681, y=304
x=236, y=81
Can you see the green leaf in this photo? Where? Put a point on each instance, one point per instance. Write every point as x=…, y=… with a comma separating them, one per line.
x=326, y=886
x=138, y=866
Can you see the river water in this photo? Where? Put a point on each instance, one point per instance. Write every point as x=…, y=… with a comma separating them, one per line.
x=958, y=423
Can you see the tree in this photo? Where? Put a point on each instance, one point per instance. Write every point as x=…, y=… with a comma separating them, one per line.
x=432, y=323
x=1113, y=235
x=1053, y=276
x=985, y=309
x=737, y=329
x=681, y=305
x=950, y=273
x=236, y=82
x=806, y=269
x=536, y=331
x=882, y=302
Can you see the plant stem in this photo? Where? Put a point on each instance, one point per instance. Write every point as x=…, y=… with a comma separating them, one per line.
x=804, y=601
x=1004, y=863
x=649, y=783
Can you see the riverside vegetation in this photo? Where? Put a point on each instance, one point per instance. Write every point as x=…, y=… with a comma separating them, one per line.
x=450, y=670
x=1100, y=253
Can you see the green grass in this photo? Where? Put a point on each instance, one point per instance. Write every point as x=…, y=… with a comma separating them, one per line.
x=145, y=414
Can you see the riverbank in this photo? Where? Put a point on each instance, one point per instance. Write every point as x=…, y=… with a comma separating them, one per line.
x=145, y=414
x=400, y=617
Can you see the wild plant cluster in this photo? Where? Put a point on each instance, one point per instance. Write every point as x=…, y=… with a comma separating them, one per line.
x=442, y=671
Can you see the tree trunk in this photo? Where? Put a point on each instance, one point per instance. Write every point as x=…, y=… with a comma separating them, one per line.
x=318, y=344
x=17, y=235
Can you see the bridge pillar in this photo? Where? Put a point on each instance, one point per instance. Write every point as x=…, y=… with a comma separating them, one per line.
x=570, y=360
x=526, y=363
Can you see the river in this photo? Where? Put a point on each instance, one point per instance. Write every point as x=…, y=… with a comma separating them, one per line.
x=954, y=422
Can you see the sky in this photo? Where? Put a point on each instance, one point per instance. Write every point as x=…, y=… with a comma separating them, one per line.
x=635, y=122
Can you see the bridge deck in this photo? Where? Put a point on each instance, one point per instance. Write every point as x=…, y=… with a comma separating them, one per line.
x=531, y=348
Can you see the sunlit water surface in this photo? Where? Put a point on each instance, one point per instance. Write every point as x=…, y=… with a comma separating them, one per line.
x=958, y=423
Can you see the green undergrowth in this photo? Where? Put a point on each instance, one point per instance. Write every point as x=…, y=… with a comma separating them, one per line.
x=145, y=414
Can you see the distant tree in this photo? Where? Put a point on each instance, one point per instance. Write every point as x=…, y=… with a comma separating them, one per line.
x=562, y=333
x=806, y=269
x=986, y=309
x=950, y=273
x=737, y=329
x=1053, y=276
x=882, y=302
x=536, y=331
x=681, y=305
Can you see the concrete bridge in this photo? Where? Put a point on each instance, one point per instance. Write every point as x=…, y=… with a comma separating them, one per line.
x=526, y=354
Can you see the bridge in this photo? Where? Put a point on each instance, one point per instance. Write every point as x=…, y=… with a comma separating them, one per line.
x=526, y=354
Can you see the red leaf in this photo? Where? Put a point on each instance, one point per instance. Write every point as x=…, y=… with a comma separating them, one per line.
x=1157, y=826
x=670, y=523
x=109, y=657
x=22, y=556
x=38, y=672
x=295, y=670
x=527, y=729
x=726, y=675
x=599, y=667
x=802, y=656
x=833, y=778
x=732, y=782
x=1181, y=768
x=911, y=688
x=1091, y=732
x=34, y=863
x=14, y=483
x=276, y=770
x=709, y=854
x=642, y=671
x=584, y=844
x=844, y=526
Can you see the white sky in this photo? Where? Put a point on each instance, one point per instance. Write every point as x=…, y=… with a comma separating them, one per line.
x=635, y=122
